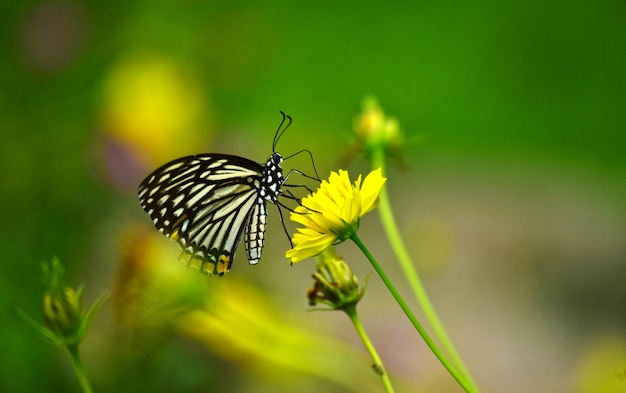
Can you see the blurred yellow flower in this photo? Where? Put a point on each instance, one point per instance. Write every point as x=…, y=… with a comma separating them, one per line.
x=155, y=105
x=332, y=213
x=241, y=325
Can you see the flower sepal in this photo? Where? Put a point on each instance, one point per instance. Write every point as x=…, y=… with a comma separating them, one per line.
x=346, y=231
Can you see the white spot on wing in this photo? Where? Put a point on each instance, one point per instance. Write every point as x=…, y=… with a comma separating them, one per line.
x=163, y=199
x=177, y=200
x=154, y=190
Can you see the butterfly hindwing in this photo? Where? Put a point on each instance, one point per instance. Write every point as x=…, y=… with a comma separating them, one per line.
x=205, y=202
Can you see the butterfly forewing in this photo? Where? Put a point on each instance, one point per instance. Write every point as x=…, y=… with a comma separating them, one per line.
x=205, y=202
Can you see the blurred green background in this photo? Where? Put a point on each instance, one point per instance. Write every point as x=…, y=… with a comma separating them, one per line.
x=512, y=198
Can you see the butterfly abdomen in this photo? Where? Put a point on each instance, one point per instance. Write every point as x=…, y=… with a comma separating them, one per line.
x=255, y=232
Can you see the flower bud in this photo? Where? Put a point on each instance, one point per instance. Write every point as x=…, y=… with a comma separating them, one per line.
x=375, y=130
x=335, y=285
x=62, y=311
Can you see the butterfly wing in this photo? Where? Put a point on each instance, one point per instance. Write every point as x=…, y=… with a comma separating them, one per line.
x=204, y=203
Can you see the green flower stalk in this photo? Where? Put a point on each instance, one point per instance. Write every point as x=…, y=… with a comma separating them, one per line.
x=337, y=287
x=381, y=139
x=66, y=322
x=412, y=318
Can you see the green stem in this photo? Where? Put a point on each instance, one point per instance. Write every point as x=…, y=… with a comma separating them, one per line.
x=420, y=329
x=78, y=368
x=408, y=267
x=378, y=363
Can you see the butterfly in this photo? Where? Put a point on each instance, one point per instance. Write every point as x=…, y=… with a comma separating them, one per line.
x=208, y=203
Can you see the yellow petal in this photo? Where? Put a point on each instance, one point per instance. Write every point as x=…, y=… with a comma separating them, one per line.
x=306, y=219
x=371, y=188
x=351, y=210
x=308, y=243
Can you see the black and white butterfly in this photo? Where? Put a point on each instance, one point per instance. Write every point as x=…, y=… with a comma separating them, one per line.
x=208, y=202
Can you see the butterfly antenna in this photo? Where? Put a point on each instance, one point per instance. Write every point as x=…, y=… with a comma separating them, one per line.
x=280, y=132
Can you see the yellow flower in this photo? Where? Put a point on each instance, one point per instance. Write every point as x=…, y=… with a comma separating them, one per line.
x=332, y=213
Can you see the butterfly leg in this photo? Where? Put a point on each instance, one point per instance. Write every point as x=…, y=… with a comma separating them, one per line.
x=282, y=221
x=292, y=171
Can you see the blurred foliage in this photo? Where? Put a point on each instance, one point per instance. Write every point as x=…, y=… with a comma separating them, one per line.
x=520, y=104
